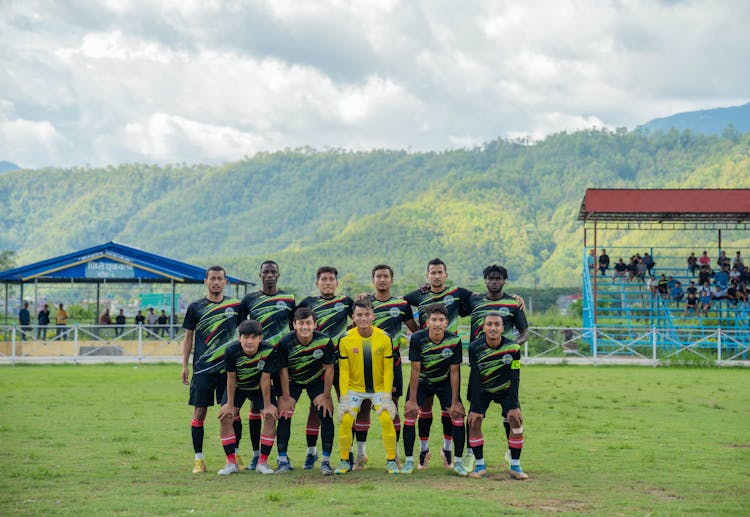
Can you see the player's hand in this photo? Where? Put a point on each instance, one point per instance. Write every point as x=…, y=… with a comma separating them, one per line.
x=362, y=296
x=226, y=411
x=324, y=404
x=520, y=301
x=425, y=288
x=515, y=414
x=457, y=411
x=388, y=405
x=475, y=418
x=411, y=409
x=286, y=406
x=345, y=406
x=185, y=375
x=270, y=411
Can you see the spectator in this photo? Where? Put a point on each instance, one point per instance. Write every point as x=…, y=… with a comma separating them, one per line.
x=590, y=262
x=61, y=319
x=632, y=268
x=732, y=293
x=735, y=273
x=704, y=299
x=140, y=319
x=691, y=304
x=662, y=287
x=151, y=320
x=653, y=285
x=704, y=275
x=120, y=321
x=692, y=289
x=692, y=263
x=105, y=320
x=704, y=260
x=722, y=278
x=620, y=270
x=723, y=260
x=162, y=322
x=42, y=320
x=676, y=293
x=604, y=262
x=741, y=292
x=718, y=293
x=739, y=262
x=24, y=319
x=648, y=260
x=640, y=271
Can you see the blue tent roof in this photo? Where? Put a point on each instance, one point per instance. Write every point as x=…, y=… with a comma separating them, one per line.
x=110, y=262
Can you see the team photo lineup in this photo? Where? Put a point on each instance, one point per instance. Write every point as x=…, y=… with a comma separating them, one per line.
x=269, y=348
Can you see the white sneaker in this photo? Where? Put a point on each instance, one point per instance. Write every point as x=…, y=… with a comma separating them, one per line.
x=263, y=468
x=230, y=468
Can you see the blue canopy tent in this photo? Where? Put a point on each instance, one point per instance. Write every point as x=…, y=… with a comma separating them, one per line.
x=109, y=263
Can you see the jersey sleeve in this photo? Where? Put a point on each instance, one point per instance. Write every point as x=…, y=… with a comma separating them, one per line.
x=520, y=320
x=464, y=296
x=458, y=353
x=412, y=298
x=230, y=360
x=408, y=313
x=272, y=362
x=329, y=354
x=415, y=350
x=282, y=354
x=191, y=318
x=243, y=309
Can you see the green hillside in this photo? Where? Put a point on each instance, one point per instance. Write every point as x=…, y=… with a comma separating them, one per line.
x=506, y=202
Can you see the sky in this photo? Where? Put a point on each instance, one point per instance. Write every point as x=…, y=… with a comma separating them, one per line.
x=105, y=82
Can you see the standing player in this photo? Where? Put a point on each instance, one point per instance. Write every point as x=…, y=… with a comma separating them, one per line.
x=391, y=314
x=435, y=356
x=495, y=365
x=249, y=362
x=211, y=323
x=273, y=308
x=366, y=371
x=331, y=316
x=306, y=360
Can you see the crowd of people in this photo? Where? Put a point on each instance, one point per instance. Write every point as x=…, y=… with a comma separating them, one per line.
x=725, y=279
x=268, y=348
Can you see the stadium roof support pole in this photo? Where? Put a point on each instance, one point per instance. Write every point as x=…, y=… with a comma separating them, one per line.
x=6, y=304
x=594, y=271
x=96, y=314
x=719, y=252
x=172, y=313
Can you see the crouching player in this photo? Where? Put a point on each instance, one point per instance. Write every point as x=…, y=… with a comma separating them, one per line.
x=366, y=373
x=249, y=362
x=495, y=373
x=306, y=360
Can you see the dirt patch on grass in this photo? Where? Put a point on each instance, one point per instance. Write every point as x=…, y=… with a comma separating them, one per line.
x=555, y=506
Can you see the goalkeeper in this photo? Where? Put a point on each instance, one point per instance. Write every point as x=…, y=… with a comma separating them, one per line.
x=366, y=373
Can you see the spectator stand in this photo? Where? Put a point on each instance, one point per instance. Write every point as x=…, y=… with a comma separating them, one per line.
x=109, y=263
x=621, y=314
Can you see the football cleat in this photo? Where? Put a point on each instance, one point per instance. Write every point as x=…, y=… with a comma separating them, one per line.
x=480, y=471
x=458, y=469
x=391, y=467
x=469, y=462
x=200, y=466
x=424, y=459
x=507, y=457
x=240, y=463
x=516, y=473
x=310, y=460
x=344, y=467
x=408, y=467
x=264, y=468
x=283, y=466
x=446, y=455
x=253, y=463
x=361, y=462
x=230, y=468
x=325, y=468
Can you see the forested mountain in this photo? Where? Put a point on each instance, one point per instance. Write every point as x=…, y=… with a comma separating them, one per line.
x=506, y=202
x=8, y=166
x=716, y=121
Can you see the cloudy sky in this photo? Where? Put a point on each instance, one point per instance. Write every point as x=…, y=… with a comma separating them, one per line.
x=106, y=82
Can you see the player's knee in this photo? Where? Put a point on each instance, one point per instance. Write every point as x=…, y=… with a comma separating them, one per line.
x=385, y=418
x=347, y=420
x=516, y=425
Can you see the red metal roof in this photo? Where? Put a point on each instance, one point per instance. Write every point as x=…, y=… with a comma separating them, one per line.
x=730, y=205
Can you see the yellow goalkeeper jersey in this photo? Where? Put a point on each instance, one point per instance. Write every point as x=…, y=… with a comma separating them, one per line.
x=365, y=364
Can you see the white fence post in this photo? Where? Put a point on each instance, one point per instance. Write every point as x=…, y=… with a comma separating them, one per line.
x=653, y=344
x=718, y=345
x=140, y=342
x=13, y=345
x=76, y=345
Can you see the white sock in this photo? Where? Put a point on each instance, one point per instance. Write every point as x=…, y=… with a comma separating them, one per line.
x=469, y=451
x=198, y=455
x=424, y=445
x=361, y=448
x=326, y=457
x=256, y=454
x=312, y=450
x=409, y=458
x=447, y=444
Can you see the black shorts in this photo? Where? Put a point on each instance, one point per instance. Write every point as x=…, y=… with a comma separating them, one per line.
x=207, y=387
x=427, y=389
x=336, y=377
x=313, y=389
x=503, y=398
x=254, y=396
x=398, y=382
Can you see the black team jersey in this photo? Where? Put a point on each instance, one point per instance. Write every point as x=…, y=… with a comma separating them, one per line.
x=272, y=311
x=455, y=299
x=331, y=315
x=249, y=369
x=305, y=362
x=507, y=306
x=435, y=358
x=390, y=316
x=495, y=369
x=214, y=325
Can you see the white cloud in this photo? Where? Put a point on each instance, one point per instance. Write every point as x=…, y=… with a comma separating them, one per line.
x=175, y=81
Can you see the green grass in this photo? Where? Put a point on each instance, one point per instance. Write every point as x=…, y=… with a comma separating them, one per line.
x=115, y=439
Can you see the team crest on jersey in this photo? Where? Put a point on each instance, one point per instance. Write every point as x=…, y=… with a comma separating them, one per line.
x=394, y=312
x=229, y=311
x=448, y=300
x=339, y=306
x=507, y=359
x=504, y=311
x=317, y=354
x=446, y=353
x=280, y=305
x=261, y=364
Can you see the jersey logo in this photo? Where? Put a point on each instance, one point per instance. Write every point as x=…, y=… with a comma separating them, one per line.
x=317, y=353
x=230, y=311
x=355, y=350
x=504, y=311
x=446, y=353
x=339, y=306
x=448, y=300
x=507, y=359
x=394, y=312
x=280, y=305
x=261, y=364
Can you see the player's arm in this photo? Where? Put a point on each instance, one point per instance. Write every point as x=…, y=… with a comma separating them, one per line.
x=326, y=402
x=228, y=408
x=388, y=368
x=286, y=403
x=521, y=325
x=410, y=408
x=187, y=347
x=515, y=376
x=521, y=303
x=457, y=408
x=269, y=410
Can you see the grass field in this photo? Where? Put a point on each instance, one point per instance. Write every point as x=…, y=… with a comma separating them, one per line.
x=115, y=439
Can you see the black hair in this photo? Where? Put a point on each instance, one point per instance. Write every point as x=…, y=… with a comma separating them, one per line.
x=250, y=328
x=494, y=268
